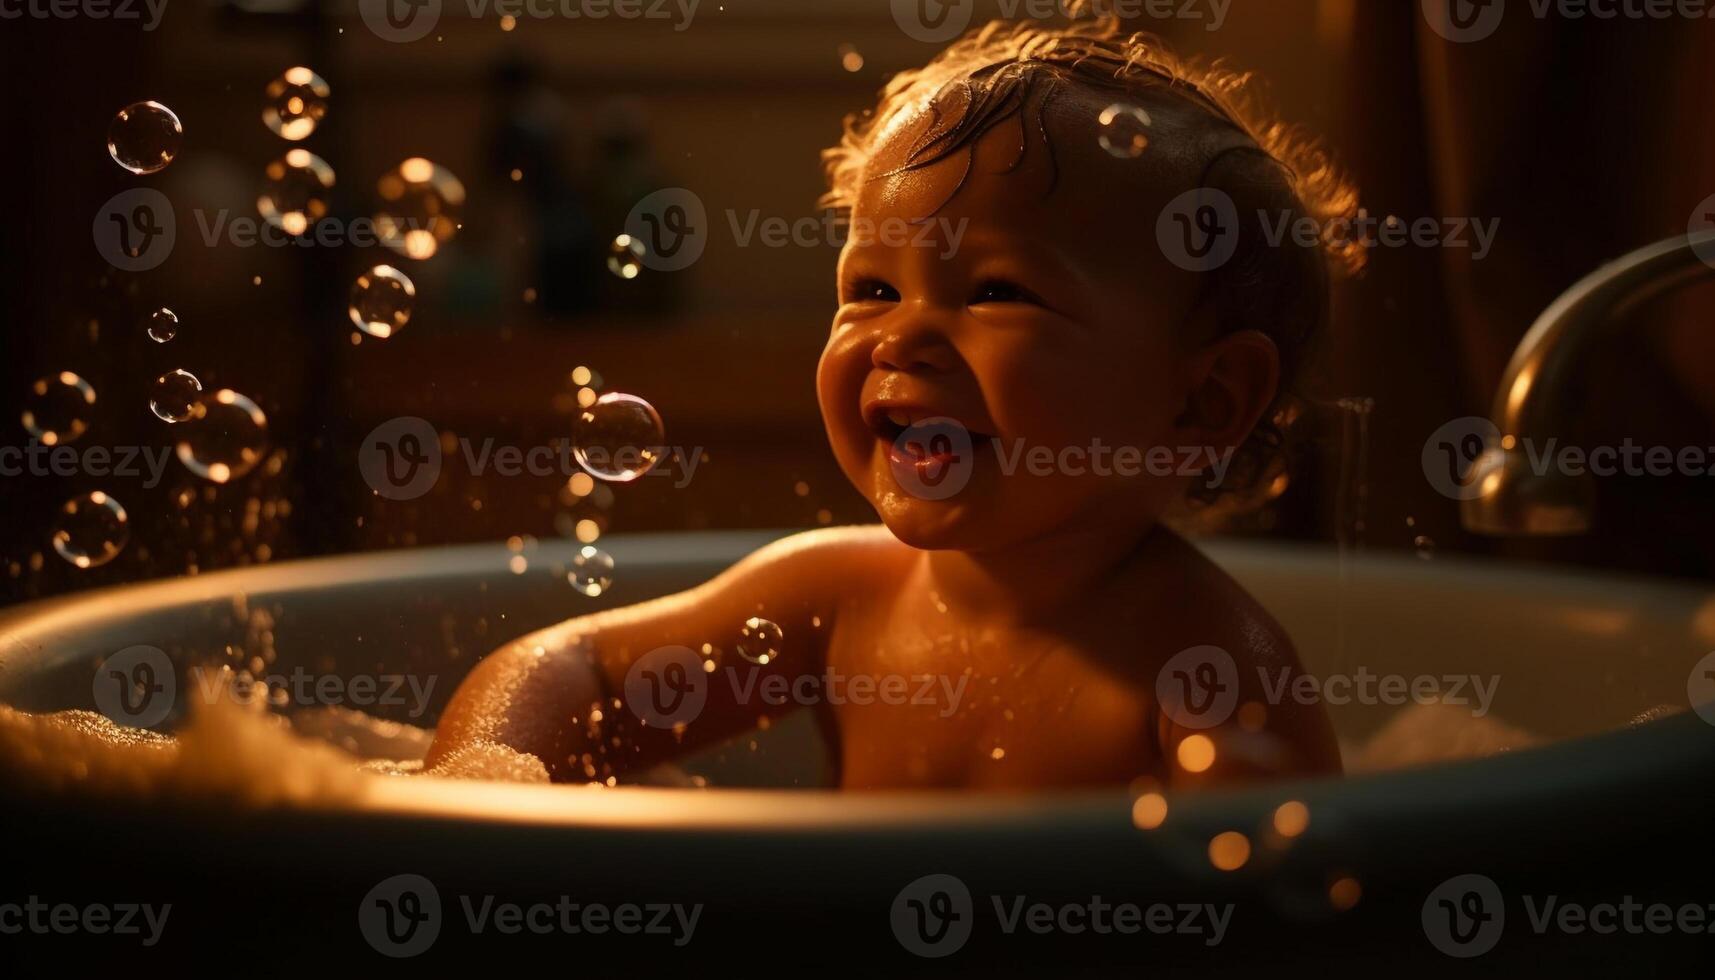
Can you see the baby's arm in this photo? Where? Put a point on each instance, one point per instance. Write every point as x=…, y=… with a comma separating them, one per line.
x=552, y=694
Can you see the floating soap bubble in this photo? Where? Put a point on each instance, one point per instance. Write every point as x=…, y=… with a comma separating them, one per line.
x=173, y=397
x=91, y=530
x=162, y=325
x=619, y=438
x=591, y=571
x=225, y=437
x=57, y=408
x=759, y=641
x=295, y=191
x=144, y=137
x=381, y=301
x=297, y=101
x=625, y=257
x=1125, y=130
x=420, y=203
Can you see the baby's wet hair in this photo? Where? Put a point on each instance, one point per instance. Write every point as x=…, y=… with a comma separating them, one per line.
x=1279, y=288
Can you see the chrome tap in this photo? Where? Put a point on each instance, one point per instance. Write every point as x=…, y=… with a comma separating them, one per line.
x=1513, y=498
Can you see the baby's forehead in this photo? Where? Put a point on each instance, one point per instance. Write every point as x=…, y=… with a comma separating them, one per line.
x=1049, y=154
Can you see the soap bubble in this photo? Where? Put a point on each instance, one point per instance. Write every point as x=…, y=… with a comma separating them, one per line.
x=173, y=397
x=1125, y=130
x=381, y=301
x=225, y=436
x=591, y=572
x=162, y=325
x=57, y=409
x=619, y=438
x=420, y=203
x=294, y=194
x=625, y=257
x=144, y=137
x=759, y=641
x=91, y=530
x=297, y=101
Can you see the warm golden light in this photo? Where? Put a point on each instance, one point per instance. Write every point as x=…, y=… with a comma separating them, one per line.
x=1291, y=818
x=417, y=170
x=1344, y=893
x=1150, y=811
x=1196, y=753
x=1229, y=851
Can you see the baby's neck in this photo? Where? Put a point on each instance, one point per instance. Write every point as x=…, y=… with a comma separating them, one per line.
x=1035, y=579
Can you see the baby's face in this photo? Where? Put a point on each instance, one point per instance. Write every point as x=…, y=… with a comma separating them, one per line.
x=1046, y=324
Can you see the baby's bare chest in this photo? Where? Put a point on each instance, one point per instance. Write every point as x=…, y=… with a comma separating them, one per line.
x=933, y=701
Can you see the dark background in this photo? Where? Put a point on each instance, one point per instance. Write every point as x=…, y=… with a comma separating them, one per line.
x=1585, y=138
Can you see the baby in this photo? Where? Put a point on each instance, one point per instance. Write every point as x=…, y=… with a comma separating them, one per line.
x=1037, y=591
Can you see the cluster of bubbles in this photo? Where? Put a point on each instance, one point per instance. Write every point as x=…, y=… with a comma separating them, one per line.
x=223, y=434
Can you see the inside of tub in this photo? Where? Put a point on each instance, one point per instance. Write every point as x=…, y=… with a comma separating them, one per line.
x=315, y=680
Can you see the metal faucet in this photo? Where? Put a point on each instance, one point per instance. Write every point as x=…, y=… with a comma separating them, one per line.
x=1512, y=498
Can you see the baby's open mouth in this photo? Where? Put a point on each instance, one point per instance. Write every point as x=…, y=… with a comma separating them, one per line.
x=923, y=450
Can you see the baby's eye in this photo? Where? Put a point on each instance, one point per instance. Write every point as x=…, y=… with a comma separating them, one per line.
x=1000, y=291
x=871, y=291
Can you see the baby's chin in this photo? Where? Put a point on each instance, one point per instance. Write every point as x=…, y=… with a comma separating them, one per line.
x=928, y=525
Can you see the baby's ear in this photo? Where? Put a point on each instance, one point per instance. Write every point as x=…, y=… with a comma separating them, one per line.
x=1232, y=381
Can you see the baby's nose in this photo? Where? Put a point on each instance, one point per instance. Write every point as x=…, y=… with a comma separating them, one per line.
x=914, y=350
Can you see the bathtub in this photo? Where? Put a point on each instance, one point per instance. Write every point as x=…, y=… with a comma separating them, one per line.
x=1586, y=800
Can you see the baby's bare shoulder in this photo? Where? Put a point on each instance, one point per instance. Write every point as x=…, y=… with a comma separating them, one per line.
x=830, y=561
